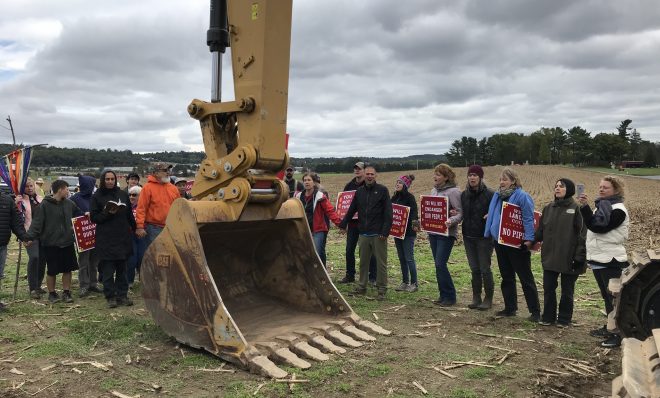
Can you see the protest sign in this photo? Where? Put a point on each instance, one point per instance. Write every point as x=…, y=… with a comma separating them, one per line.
x=434, y=213
x=85, y=232
x=512, y=231
x=344, y=200
x=189, y=185
x=400, y=216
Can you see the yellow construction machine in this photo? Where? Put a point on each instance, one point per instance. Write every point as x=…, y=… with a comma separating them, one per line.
x=235, y=271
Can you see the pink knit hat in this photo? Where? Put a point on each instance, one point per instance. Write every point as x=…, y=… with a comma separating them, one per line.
x=405, y=180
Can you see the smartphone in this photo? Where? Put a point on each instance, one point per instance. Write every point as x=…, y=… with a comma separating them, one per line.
x=579, y=188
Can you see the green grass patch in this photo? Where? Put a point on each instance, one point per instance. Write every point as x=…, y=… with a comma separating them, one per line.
x=476, y=373
x=379, y=370
x=462, y=393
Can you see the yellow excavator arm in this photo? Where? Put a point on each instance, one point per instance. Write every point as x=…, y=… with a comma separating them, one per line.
x=235, y=272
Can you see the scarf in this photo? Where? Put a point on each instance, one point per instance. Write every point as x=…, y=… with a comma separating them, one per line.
x=506, y=193
x=444, y=186
x=601, y=217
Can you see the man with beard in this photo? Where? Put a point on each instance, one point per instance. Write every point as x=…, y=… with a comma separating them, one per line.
x=114, y=219
x=155, y=200
x=294, y=186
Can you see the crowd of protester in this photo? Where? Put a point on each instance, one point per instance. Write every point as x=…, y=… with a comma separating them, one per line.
x=573, y=236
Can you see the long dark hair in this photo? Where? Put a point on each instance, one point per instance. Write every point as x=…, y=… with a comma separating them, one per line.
x=102, y=186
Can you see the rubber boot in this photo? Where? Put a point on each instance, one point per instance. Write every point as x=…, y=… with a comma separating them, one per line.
x=476, y=294
x=489, y=288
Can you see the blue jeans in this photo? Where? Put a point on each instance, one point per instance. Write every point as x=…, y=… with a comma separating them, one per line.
x=134, y=261
x=319, y=244
x=152, y=233
x=441, y=248
x=405, y=249
x=352, y=236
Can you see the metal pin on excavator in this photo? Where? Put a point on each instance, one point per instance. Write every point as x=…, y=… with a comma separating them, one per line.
x=235, y=272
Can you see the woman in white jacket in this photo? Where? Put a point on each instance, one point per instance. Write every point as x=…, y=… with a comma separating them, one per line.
x=606, y=236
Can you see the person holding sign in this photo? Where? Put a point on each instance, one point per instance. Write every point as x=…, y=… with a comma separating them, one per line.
x=317, y=208
x=514, y=261
x=114, y=226
x=372, y=203
x=475, y=200
x=353, y=233
x=606, y=252
x=444, y=180
x=563, y=232
x=405, y=247
x=88, y=260
x=53, y=227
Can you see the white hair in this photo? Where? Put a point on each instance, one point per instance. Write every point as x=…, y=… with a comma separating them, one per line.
x=135, y=189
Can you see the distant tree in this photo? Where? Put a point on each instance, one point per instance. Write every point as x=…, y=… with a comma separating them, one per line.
x=610, y=147
x=485, y=152
x=579, y=145
x=650, y=159
x=635, y=144
x=545, y=156
x=623, y=129
x=557, y=142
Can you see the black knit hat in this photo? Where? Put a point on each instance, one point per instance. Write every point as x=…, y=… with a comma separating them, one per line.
x=570, y=187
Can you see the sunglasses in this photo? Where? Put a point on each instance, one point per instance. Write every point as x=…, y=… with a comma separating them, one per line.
x=132, y=194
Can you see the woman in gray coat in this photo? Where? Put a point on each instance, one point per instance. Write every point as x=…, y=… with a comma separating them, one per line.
x=563, y=233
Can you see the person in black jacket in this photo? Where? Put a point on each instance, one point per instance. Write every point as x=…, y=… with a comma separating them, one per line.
x=374, y=207
x=475, y=200
x=405, y=247
x=10, y=221
x=294, y=185
x=353, y=232
x=114, y=225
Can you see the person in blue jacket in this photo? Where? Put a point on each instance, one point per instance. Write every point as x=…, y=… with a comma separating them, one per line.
x=514, y=261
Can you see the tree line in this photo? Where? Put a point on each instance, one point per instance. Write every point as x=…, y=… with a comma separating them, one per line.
x=555, y=145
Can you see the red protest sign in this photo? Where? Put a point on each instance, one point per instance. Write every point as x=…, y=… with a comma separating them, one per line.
x=189, y=185
x=400, y=216
x=85, y=232
x=512, y=231
x=344, y=200
x=434, y=212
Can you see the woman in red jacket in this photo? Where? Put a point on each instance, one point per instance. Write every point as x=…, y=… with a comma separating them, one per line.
x=318, y=210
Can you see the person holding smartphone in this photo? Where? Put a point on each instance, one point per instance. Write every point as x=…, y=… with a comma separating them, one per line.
x=608, y=227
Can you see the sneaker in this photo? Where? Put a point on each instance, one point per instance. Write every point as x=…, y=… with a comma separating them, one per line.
x=412, y=288
x=381, y=296
x=112, y=303
x=611, y=342
x=600, y=332
x=403, y=287
x=372, y=282
x=545, y=323
x=124, y=301
x=347, y=279
x=84, y=292
x=34, y=294
x=536, y=318
x=53, y=297
x=41, y=290
x=563, y=325
x=95, y=289
x=66, y=297
x=505, y=313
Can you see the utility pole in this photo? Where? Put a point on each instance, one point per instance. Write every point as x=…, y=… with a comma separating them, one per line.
x=11, y=127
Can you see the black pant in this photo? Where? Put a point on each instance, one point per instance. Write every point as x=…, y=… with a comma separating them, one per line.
x=512, y=262
x=352, y=236
x=603, y=277
x=115, y=283
x=550, y=297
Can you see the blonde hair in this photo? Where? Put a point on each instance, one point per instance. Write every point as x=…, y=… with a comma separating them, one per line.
x=446, y=171
x=617, y=184
x=511, y=174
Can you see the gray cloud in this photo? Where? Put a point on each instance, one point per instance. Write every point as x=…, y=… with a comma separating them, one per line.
x=370, y=78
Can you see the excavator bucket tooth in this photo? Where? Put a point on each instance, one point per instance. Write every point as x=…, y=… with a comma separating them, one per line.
x=369, y=326
x=252, y=292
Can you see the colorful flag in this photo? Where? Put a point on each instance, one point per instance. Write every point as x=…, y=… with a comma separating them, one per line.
x=14, y=169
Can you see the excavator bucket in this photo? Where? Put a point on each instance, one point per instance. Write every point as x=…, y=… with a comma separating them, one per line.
x=253, y=291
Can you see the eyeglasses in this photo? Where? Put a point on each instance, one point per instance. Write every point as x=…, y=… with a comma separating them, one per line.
x=132, y=194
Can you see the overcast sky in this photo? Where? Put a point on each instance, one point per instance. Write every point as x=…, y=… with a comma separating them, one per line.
x=368, y=77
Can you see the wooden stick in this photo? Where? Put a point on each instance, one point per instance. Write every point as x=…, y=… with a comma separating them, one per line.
x=557, y=372
x=375, y=316
x=572, y=360
x=561, y=393
x=258, y=388
x=503, y=349
x=422, y=389
x=501, y=361
x=220, y=369
x=475, y=364
x=430, y=325
x=48, y=386
x=498, y=336
x=454, y=366
x=437, y=369
x=291, y=381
